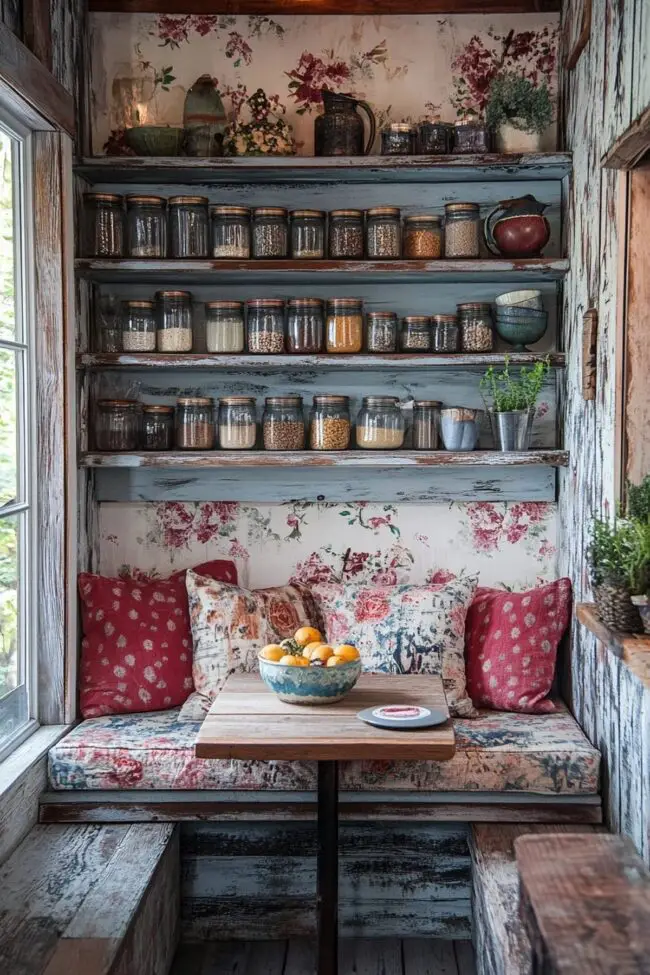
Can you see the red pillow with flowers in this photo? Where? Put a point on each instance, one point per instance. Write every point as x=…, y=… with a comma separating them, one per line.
x=511, y=641
x=136, y=654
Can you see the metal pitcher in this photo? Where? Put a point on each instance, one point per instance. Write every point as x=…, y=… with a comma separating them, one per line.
x=340, y=130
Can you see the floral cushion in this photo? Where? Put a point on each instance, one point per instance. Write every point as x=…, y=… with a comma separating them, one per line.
x=497, y=752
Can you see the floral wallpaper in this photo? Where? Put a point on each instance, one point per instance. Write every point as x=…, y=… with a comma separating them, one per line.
x=408, y=68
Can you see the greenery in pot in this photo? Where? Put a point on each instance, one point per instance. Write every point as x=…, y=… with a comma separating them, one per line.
x=503, y=392
x=516, y=101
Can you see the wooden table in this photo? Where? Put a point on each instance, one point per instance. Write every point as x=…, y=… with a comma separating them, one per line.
x=248, y=721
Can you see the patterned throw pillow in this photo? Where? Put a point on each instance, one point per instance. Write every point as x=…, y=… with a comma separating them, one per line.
x=511, y=646
x=136, y=651
x=404, y=629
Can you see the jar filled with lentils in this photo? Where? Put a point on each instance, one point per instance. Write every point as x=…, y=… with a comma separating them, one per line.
x=138, y=326
x=381, y=331
x=307, y=235
x=146, y=226
x=265, y=326
x=174, y=321
x=346, y=235
x=188, y=226
x=384, y=233
x=103, y=225
x=398, y=139
x=231, y=232
x=344, y=327
x=462, y=230
x=157, y=427
x=416, y=334
x=270, y=234
x=445, y=333
x=329, y=423
x=195, y=428
x=476, y=329
x=426, y=424
x=380, y=424
x=237, y=423
x=423, y=237
x=224, y=326
x=305, y=326
x=118, y=423
x=283, y=424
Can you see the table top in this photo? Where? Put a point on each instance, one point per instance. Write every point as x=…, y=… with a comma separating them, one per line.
x=248, y=721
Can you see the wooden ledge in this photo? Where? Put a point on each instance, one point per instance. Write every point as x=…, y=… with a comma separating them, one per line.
x=632, y=648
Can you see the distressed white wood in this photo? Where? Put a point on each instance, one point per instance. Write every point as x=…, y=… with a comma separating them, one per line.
x=424, y=956
x=371, y=957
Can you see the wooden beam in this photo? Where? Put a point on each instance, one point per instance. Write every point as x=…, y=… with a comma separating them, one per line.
x=629, y=149
x=37, y=30
x=28, y=78
x=370, y=7
x=636, y=407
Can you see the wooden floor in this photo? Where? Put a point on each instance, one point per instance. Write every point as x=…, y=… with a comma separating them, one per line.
x=356, y=957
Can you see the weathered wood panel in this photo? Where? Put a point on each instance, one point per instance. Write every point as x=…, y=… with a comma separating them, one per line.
x=637, y=348
x=22, y=72
x=10, y=16
x=373, y=7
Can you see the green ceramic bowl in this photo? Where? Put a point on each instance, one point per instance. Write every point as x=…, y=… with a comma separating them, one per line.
x=155, y=140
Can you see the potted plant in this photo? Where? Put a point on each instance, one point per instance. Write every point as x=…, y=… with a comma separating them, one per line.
x=619, y=557
x=510, y=402
x=638, y=507
x=518, y=112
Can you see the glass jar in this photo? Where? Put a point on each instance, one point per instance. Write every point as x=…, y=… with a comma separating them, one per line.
x=434, y=138
x=103, y=225
x=307, y=235
x=381, y=331
x=471, y=136
x=462, y=230
x=146, y=226
x=305, y=326
x=270, y=233
x=118, y=424
x=195, y=428
x=237, y=423
x=445, y=333
x=283, y=423
x=265, y=326
x=344, y=332
x=174, y=321
x=397, y=139
x=157, y=427
x=188, y=226
x=384, y=233
x=138, y=326
x=380, y=424
x=426, y=424
x=329, y=423
x=423, y=237
x=346, y=235
x=109, y=325
x=231, y=232
x=416, y=334
x=476, y=329
x=224, y=326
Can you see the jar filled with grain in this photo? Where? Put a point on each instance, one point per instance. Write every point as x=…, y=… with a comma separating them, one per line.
x=195, y=429
x=174, y=321
x=118, y=424
x=476, y=328
x=423, y=237
x=329, y=423
x=344, y=327
x=188, y=226
x=426, y=424
x=381, y=331
x=224, y=326
x=380, y=424
x=283, y=424
x=305, y=326
x=398, y=139
x=237, y=423
x=346, y=235
x=462, y=230
x=265, y=326
x=157, y=427
x=307, y=235
x=471, y=136
x=231, y=232
x=146, y=226
x=445, y=333
x=103, y=225
x=416, y=334
x=270, y=236
x=138, y=326
x=384, y=233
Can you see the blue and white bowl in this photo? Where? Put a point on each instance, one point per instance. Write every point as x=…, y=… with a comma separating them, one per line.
x=310, y=685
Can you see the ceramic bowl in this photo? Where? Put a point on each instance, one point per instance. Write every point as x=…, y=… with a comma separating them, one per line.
x=520, y=327
x=520, y=299
x=310, y=685
x=155, y=140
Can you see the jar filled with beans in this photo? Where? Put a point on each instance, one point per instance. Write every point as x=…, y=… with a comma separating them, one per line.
x=157, y=427
x=344, y=328
x=426, y=424
x=307, y=235
x=265, y=326
x=346, y=235
x=224, y=326
x=195, y=429
x=416, y=334
x=305, y=326
x=423, y=237
x=329, y=423
x=237, y=423
x=398, y=139
x=138, y=326
x=103, y=225
x=384, y=233
x=445, y=333
x=231, y=232
x=462, y=230
x=380, y=424
x=118, y=424
x=476, y=328
x=174, y=321
x=283, y=423
x=146, y=226
x=188, y=226
x=381, y=331
x=270, y=233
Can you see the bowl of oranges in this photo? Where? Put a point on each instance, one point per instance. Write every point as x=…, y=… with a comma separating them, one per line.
x=306, y=670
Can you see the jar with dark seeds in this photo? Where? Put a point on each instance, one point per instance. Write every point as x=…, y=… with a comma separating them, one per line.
x=384, y=233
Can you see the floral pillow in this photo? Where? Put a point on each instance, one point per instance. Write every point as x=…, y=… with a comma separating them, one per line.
x=404, y=629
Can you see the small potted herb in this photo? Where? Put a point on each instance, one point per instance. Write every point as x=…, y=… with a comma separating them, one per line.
x=518, y=112
x=638, y=507
x=619, y=557
x=510, y=402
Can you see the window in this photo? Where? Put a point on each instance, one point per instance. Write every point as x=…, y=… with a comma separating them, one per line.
x=18, y=609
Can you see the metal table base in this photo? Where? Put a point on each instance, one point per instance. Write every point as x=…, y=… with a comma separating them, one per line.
x=327, y=884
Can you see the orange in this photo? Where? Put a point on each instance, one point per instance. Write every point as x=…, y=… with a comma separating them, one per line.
x=347, y=651
x=335, y=661
x=307, y=634
x=309, y=649
x=324, y=652
x=272, y=652
x=290, y=660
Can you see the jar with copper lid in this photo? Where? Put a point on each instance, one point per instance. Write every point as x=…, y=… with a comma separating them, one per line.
x=231, y=232
x=138, y=326
x=344, y=327
x=471, y=136
x=329, y=423
x=462, y=230
x=237, y=423
x=434, y=138
x=346, y=235
x=305, y=326
x=380, y=424
x=384, y=233
x=283, y=423
x=445, y=333
x=103, y=225
x=195, y=429
x=426, y=424
x=188, y=226
x=476, y=328
x=416, y=333
x=118, y=424
x=265, y=326
x=146, y=226
x=307, y=235
x=174, y=321
x=423, y=237
x=398, y=139
x=270, y=235
x=224, y=326
x=381, y=331
x=157, y=427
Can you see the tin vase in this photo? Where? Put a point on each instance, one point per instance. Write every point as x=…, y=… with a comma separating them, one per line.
x=512, y=430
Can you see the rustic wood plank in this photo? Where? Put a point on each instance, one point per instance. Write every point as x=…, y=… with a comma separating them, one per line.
x=37, y=30
x=21, y=71
x=357, y=7
x=620, y=644
x=365, y=957
x=424, y=956
x=301, y=957
x=636, y=406
x=465, y=958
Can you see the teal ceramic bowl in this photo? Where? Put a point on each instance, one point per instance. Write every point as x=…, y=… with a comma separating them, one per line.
x=310, y=685
x=155, y=140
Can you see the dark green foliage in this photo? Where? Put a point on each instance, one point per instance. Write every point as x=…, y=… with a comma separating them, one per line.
x=514, y=100
x=509, y=393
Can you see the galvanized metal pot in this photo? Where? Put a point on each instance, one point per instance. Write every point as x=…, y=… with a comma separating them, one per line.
x=512, y=430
